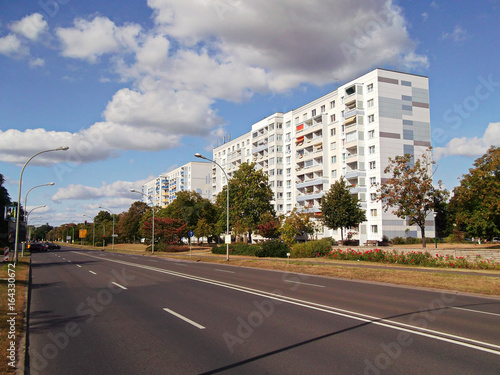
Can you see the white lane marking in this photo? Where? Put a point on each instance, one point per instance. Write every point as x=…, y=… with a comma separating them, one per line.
x=79, y=266
x=475, y=311
x=180, y=264
x=93, y=273
x=69, y=261
x=184, y=318
x=118, y=285
x=216, y=269
x=298, y=282
x=446, y=337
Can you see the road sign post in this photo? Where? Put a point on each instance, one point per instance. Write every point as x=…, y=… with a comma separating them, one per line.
x=190, y=234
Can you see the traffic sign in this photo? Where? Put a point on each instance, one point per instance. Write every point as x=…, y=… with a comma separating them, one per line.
x=190, y=233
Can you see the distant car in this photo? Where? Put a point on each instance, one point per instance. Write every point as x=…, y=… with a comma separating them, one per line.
x=37, y=247
x=52, y=246
x=496, y=239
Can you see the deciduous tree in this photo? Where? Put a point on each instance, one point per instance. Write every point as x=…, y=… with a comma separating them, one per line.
x=476, y=202
x=340, y=208
x=410, y=191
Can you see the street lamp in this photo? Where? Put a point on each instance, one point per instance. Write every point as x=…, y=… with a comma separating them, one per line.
x=93, y=231
x=26, y=205
x=63, y=148
x=153, y=223
x=435, y=231
x=27, y=216
x=113, y=235
x=227, y=200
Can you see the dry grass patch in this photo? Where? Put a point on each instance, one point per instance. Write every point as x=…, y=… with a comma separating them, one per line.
x=21, y=283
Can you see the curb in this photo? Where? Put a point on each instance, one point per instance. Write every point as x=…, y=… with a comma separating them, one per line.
x=23, y=344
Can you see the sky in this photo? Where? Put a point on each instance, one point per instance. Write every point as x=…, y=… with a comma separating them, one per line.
x=136, y=88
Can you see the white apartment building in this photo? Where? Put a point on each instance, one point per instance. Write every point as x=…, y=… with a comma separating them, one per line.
x=350, y=132
x=193, y=176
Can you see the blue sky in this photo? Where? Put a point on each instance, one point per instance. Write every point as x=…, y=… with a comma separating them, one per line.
x=136, y=88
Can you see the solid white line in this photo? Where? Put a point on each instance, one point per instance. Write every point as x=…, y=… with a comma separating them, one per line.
x=184, y=318
x=180, y=264
x=437, y=335
x=216, y=269
x=118, y=285
x=93, y=273
x=475, y=311
x=79, y=266
x=298, y=282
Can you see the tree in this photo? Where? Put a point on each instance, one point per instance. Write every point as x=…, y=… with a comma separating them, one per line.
x=295, y=224
x=340, y=208
x=4, y=202
x=476, y=202
x=167, y=230
x=250, y=196
x=269, y=226
x=129, y=224
x=410, y=191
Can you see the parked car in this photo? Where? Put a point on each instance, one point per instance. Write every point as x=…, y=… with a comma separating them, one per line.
x=37, y=247
x=52, y=246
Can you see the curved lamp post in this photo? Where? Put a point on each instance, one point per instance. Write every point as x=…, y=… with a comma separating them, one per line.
x=27, y=218
x=113, y=235
x=153, y=223
x=227, y=199
x=63, y=148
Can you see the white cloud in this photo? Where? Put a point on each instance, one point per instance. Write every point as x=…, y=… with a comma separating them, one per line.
x=470, y=147
x=37, y=62
x=457, y=35
x=89, y=40
x=116, y=190
x=30, y=27
x=11, y=45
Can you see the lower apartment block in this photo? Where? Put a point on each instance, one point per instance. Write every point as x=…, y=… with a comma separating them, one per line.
x=350, y=133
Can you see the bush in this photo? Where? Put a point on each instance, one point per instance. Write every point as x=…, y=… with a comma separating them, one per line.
x=274, y=249
x=237, y=249
x=311, y=249
x=164, y=247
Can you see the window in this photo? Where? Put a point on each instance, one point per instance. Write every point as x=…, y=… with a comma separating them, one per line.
x=323, y=108
x=289, y=172
x=373, y=212
x=373, y=165
x=334, y=159
x=371, y=150
x=313, y=113
x=370, y=87
x=288, y=124
x=296, y=120
x=279, y=137
x=333, y=146
x=333, y=132
x=288, y=137
x=373, y=180
x=279, y=183
x=332, y=104
x=279, y=172
x=289, y=195
x=279, y=160
x=371, y=118
x=288, y=160
x=370, y=103
x=374, y=229
x=304, y=116
x=332, y=118
x=371, y=134
x=334, y=173
x=288, y=183
x=373, y=196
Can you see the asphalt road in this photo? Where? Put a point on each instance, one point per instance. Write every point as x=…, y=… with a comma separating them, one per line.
x=95, y=312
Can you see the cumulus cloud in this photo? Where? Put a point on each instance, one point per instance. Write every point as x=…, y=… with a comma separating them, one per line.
x=30, y=27
x=90, y=39
x=470, y=147
x=199, y=52
x=11, y=45
x=119, y=189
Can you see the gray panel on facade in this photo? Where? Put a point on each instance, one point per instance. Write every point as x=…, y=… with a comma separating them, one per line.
x=408, y=122
x=405, y=83
x=406, y=98
x=408, y=134
x=421, y=131
x=420, y=95
x=390, y=108
x=408, y=149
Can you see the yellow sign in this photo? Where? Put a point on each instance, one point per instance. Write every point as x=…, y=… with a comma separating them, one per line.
x=83, y=233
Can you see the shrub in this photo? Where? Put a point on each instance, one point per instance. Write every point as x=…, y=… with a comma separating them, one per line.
x=275, y=249
x=164, y=247
x=311, y=249
x=237, y=249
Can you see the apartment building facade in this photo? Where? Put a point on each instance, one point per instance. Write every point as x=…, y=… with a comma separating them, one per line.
x=350, y=133
x=193, y=176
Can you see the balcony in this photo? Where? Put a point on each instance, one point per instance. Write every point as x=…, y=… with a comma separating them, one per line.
x=310, y=196
x=311, y=182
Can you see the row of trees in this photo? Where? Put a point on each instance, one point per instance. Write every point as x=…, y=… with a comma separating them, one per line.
x=409, y=193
